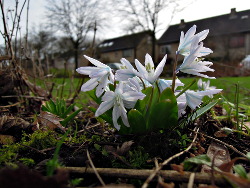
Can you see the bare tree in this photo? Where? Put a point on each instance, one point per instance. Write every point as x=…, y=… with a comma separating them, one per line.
x=75, y=19
x=147, y=15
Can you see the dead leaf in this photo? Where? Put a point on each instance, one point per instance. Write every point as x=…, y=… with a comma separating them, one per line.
x=6, y=139
x=238, y=181
x=162, y=184
x=207, y=186
x=124, y=148
x=219, y=153
x=220, y=134
x=178, y=168
x=49, y=121
x=7, y=122
x=227, y=167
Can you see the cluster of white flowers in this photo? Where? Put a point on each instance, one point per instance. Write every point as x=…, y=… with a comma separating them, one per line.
x=131, y=81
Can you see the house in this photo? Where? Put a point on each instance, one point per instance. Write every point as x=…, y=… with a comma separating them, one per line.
x=229, y=38
x=131, y=47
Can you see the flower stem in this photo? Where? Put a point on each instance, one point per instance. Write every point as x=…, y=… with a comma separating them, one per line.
x=174, y=71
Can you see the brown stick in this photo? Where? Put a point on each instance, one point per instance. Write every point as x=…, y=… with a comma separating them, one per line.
x=167, y=161
x=171, y=175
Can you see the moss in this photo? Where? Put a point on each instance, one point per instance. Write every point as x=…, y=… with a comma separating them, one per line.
x=39, y=139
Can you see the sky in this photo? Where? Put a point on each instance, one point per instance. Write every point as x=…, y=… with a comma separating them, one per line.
x=199, y=9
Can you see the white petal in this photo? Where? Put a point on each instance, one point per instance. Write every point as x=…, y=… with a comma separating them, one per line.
x=149, y=60
x=111, y=77
x=104, y=106
x=129, y=104
x=98, y=73
x=133, y=96
x=160, y=67
x=193, y=99
x=124, y=117
x=163, y=84
x=87, y=70
x=96, y=62
x=140, y=68
x=102, y=85
x=89, y=85
x=108, y=96
x=190, y=33
x=202, y=35
x=126, y=63
x=209, y=92
x=204, y=51
x=123, y=75
x=115, y=115
x=135, y=84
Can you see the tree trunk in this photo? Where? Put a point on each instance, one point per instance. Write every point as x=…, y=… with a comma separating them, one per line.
x=76, y=50
x=153, y=45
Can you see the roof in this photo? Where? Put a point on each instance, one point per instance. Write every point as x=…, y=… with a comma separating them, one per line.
x=235, y=22
x=123, y=42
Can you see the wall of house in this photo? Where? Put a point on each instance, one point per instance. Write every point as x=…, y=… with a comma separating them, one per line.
x=143, y=48
x=113, y=57
x=248, y=44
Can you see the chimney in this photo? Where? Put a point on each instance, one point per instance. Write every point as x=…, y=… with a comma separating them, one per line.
x=182, y=24
x=233, y=13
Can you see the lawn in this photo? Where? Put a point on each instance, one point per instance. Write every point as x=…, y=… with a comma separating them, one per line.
x=228, y=84
x=66, y=87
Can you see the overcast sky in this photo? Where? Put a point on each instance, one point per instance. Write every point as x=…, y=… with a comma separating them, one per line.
x=197, y=10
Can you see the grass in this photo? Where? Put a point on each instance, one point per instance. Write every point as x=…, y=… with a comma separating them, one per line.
x=65, y=88
x=228, y=84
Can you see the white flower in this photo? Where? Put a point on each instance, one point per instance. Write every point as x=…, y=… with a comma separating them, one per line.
x=194, y=99
x=205, y=86
x=187, y=40
x=163, y=84
x=117, y=100
x=149, y=72
x=182, y=104
x=101, y=76
x=127, y=71
x=193, y=65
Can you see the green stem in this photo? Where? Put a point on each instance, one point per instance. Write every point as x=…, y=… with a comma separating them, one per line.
x=186, y=88
x=174, y=71
x=149, y=105
x=237, y=108
x=144, y=86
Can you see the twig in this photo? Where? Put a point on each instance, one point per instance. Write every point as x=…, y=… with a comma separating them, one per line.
x=221, y=142
x=15, y=104
x=94, y=169
x=191, y=181
x=167, y=161
x=34, y=149
x=24, y=96
x=170, y=175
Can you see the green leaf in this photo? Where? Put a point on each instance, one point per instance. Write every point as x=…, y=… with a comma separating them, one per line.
x=248, y=155
x=198, y=160
x=141, y=105
x=92, y=95
x=163, y=115
x=240, y=170
x=203, y=110
x=167, y=94
x=186, y=88
x=136, y=121
x=51, y=106
x=70, y=117
x=44, y=108
x=66, y=112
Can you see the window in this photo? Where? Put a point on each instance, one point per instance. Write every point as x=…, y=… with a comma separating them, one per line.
x=165, y=49
x=237, y=42
x=127, y=53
